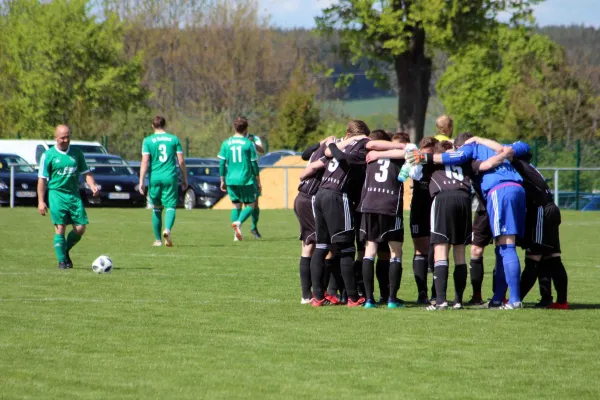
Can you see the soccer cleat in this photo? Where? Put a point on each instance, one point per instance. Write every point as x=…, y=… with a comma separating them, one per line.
x=512, y=306
x=68, y=260
x=157, y=243
x=306, y=301
x=236, y=229
x=433, y=301
x=558, y=306
x=62, y=265
x=475, y=301
x=255, y=233
x=358, y=303
x=370, y=304
x=422, y=299
x=435, y=307
x=320, y=303
x=167, y=237
x=395, y=303
x=544, y=303
x=333, y=300
x=457, y=306
x=494, y=304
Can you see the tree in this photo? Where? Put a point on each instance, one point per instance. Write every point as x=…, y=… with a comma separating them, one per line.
x=61, y=65
x=404, y=33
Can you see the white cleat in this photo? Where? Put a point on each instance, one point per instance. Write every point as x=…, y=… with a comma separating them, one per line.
x=236, y=229
x=167, y=237
x=235, y=239
x=157, y=243
x=305, y=301
x=457, y=306
x=513, y=306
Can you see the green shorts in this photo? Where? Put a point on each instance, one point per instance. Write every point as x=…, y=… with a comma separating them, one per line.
x=66, y=208
x=164, y=193
x=242, y=194
x=258, y=192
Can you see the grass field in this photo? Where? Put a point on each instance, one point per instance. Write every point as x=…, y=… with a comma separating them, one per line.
x=214, y=319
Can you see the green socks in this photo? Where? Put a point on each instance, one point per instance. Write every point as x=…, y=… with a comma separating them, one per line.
x=157, y=222
x=72, y=239
x=255, y=215
x=60, y=247
x=246, y=212
x=235, y=215
x=169, y=218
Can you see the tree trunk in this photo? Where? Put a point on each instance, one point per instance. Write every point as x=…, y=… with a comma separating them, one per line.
x=413, y=74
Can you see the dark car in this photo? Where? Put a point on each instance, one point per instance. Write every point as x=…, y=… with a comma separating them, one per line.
x=204, y=183
x=274, y=156
x=118, y=183
x=25, y=181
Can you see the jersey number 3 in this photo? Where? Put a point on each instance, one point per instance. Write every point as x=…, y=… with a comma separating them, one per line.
x=382, y=175
x=454, y=172
x=162, y=149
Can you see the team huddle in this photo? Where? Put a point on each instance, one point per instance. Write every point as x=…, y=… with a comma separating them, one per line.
x=350, y=210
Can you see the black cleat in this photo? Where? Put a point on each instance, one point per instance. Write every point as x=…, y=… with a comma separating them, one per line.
x=422, y=299
x=68, y=261
x=255, y=233
x=62, y=265
x=544, y=302
x=475, y=301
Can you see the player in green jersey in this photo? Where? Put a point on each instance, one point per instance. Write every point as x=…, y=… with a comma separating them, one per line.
x=60, y=168
x=160, y=154
x=260, y=149
x=239, y=174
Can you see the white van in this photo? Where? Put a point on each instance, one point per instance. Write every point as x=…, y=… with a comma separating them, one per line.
x=32, y=150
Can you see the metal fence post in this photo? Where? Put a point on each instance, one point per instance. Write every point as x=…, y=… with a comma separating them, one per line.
x=578, y=163
x=285, y=196
x=187, y=146
x=535, y=153
x=12, y=186
x=556, y=187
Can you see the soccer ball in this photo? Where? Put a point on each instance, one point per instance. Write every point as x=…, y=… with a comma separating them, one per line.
x=102, y=265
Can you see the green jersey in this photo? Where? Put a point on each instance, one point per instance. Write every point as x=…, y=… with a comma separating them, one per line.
x=62, y=169
x=239, y=153
x=163, y=149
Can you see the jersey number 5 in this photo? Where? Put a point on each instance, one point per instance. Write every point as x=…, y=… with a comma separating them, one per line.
x=163, y=153
x=382, y=175
x=454, y=172
x=236, y=153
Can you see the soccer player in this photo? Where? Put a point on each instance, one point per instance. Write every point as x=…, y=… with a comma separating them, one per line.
x=239, y=174
x=60, y=169
x=444, y=126
x=161, y=152
x=381, y=208
x=260, y=149
x=505, y=199
x=420, y=214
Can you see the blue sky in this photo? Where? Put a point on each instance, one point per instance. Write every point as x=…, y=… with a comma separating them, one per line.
x=301, y=13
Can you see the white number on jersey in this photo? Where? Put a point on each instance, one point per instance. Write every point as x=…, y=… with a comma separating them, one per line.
x=163, y=153
x=333, y=164
x=236, y=153
x=384, y=164
x=454, y=172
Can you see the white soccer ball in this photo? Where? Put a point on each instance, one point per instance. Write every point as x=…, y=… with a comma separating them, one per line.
x=102, y=265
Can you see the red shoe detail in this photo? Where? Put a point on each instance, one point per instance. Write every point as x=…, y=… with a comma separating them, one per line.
x=558, y=306
x=320, y=303
x=505, y=301
x=361, y=301
x=333, y=300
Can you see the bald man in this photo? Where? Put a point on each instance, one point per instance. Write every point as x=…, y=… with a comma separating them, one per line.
x=60, y=168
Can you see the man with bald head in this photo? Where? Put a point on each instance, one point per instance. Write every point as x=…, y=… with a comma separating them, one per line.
x=60, y=168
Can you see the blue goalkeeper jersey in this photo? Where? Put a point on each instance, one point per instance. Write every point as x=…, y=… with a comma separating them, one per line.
x=504, y=172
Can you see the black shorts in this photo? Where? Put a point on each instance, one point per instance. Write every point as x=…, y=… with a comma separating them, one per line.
x=379, y=228
x=334, y=217
x=451, y=218
x=482, y=232
x=541, y=230
x=420, y=209
x=303, y=207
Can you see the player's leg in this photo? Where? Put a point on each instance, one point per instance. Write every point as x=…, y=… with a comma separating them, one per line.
x=60, y=215
x=420, y=267
x=441, y=220
x=154, y=194
x=248, y=197
x=530, y=272
x=255, y=216
x=500, y=285
x=482, y=236
x=360, y=253
x=460, y=234
x=72, y=239
x=382, y=271
x=317, y=261
x=395, y=274
x=368, y=272
x=169, y=201
x=306, y=220
x=79, y=220
x=60, y=246
x=305, y=282
x=440, y=275
x=460, y=274
x=560, y=279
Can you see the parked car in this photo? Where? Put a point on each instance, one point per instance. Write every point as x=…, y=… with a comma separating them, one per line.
x=118, y=183
x=274, y=156
x=204, y=183
x=25, y=181
x=593, y=203
x=32, y=150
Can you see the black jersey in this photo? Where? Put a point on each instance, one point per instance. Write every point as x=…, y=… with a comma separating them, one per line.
x=310, y=186
x=421, y=187
x=347, y=176
x=537, y=190
x=446, y=178
x=382, y=192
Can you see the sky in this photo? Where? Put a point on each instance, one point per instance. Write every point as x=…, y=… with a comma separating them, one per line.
x=301, y=13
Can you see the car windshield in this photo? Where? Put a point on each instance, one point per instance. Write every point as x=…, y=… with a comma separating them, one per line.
x=5, y=162
x=203, y=171
x=108, y=166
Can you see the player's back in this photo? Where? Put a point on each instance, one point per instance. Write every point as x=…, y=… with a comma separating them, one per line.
x=447, y=178
x=311, y=185
x=382, y=192
x=537, y=190
x=239, y=153
x=162, y=148
x=504, y=172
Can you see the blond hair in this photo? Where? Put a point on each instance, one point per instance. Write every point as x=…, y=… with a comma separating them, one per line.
x=444, y=125
x=357, y=127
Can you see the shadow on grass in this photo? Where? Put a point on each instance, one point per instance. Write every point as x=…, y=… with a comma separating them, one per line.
x=583, y=306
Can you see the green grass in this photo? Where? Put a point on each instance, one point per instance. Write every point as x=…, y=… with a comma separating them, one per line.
x=214, y=319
